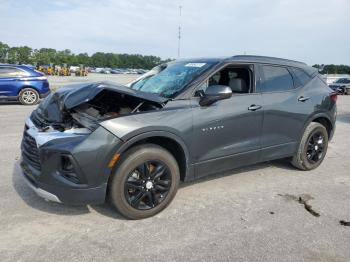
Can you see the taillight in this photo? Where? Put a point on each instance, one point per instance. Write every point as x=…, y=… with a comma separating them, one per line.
x=334, y=97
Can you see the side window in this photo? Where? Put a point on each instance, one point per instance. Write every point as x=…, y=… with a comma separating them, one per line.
x=276, y=79
x=11, y=72
x=237, y=78
x=300, y=77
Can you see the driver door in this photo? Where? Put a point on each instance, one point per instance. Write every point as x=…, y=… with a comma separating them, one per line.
x=227, y=134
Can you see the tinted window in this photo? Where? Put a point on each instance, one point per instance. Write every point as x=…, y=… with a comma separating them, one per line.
x=276, y=79
x=11, y=72
x=300, y=77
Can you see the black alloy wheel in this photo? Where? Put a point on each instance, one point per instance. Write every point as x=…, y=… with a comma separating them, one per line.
x=144, y=181
x=315, y=147
x=312, y=147
x=148, y=185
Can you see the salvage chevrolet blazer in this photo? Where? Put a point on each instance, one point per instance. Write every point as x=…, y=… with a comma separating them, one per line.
x=180, y=121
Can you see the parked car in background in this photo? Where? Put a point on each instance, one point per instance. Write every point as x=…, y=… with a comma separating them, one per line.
x=19, y=82
x=106, y=70
x=341, y=86
x=116, y=71
x=181, y=120
x=74, y=69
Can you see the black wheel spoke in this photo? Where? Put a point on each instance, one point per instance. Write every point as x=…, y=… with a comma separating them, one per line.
x=164, y=183
x=159, y=171
x=135, y=202
x=134, y=184
x=161, y=188
x=155, y=198
x=144, y=170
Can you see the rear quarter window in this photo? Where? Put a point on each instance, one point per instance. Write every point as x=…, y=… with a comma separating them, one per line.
x=276, y=79
x=300, y=77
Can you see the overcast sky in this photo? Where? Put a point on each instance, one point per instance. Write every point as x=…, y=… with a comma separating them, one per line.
x=313, y=31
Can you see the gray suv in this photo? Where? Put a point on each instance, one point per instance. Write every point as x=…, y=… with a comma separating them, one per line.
x=180, y=121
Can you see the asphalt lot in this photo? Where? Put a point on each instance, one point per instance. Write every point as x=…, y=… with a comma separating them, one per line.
x=57, y=81
x=249, y=214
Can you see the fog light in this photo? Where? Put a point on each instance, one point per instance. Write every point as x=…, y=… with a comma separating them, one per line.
x=67, y=164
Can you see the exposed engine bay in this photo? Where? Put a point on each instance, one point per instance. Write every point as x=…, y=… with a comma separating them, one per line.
x=109, y=104
x=68, y=110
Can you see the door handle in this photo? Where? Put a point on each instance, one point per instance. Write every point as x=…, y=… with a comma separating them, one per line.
x=254, y=107
x=303, y=99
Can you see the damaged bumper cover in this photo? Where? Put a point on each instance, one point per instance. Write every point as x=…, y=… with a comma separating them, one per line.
x=68, y=167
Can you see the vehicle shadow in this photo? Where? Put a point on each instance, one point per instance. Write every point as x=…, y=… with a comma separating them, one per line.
x=9, y=103
x=108, y=210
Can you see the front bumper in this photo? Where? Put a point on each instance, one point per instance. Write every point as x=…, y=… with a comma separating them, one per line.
x=39, y=191
x=66, y=195
x=41, y=164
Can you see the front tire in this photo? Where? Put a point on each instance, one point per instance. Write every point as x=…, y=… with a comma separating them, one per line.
x=145, y=181
x=28, y=96
x=312, y=148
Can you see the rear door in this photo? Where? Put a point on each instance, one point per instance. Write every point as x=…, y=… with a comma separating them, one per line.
x=283, y=118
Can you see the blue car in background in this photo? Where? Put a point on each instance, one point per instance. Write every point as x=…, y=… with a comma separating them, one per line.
x=21, y=83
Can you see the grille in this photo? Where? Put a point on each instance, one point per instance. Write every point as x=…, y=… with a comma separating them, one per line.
x=30, y=152
x=37, y=121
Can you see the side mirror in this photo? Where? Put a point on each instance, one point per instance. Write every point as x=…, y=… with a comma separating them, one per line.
x=215, y=93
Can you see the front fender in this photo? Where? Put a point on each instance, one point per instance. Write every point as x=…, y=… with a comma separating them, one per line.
x=155, y=133
x=189, y=172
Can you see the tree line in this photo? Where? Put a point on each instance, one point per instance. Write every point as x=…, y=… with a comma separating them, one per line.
x=45, y=56
x=333, y=69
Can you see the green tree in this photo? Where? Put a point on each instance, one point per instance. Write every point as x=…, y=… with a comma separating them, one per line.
x=45, y=56
x=4, y=49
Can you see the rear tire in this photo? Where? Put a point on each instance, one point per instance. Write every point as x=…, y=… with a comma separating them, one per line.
x=145, y=181
x=312, y=148
x=28, y=96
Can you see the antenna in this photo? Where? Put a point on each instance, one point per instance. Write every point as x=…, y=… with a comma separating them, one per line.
x=179, y=35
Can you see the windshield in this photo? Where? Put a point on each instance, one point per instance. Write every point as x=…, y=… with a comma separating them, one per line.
x=167, y=80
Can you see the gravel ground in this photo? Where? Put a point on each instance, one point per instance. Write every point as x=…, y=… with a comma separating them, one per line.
x=250, y=214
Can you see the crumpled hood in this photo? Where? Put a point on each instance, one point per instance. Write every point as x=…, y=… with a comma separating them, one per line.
x=70, y=96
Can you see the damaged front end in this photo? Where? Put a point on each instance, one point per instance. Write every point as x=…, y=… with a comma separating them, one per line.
x=84, y=106
x=65, y=151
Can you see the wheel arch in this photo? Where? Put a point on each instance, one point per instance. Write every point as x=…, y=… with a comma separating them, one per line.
x=324, y=120
x=326, y=123
x=28, y=86
x=171, y=142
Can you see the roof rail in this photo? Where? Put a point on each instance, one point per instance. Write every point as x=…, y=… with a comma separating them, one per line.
x=267, y=58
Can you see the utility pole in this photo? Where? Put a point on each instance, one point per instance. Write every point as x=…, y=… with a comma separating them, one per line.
x=179, y=35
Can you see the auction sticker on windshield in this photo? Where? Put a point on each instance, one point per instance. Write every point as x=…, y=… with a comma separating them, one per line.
x=195, y=64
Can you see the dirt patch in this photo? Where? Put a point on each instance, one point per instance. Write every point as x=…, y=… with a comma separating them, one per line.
x=302, y=199
x=344, y=223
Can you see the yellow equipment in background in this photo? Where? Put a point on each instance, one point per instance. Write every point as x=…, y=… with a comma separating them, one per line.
x=40, y=69
x=47, y=70
x=64, y=71
x=81, y=71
